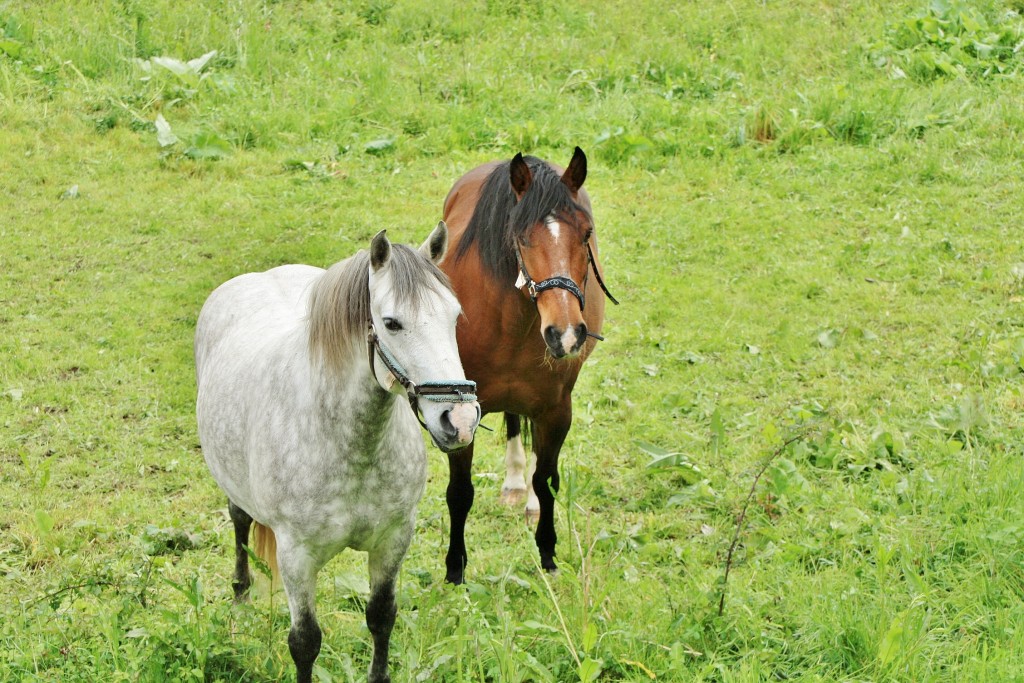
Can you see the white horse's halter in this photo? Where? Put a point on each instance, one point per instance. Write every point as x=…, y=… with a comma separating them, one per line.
x=442, y=391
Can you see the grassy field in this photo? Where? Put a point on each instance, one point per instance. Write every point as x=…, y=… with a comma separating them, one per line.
x=811, y=212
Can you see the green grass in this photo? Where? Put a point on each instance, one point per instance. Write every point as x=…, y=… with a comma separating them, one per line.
x=811, y=214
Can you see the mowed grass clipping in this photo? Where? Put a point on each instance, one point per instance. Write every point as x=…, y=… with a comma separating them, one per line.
x=810, y=212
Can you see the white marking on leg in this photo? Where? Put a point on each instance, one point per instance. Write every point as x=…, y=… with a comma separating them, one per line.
x=513, y=491
x=532, y=502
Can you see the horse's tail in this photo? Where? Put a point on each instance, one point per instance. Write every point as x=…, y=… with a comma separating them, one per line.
x=264, y=544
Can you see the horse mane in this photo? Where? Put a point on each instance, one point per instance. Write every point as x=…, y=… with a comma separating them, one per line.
x=339, y=302
x=498, y=220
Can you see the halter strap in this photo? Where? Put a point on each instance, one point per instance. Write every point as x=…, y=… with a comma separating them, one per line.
x=562, y=282
x=597, y=274
x=445, y=391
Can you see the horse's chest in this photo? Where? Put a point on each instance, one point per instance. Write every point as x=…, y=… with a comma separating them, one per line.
x=387, y=479
x=361, y=502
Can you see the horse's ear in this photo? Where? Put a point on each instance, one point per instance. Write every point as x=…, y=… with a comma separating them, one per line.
x=380, y=250
x=576, y=173
x=519, y=174
x=436, y=245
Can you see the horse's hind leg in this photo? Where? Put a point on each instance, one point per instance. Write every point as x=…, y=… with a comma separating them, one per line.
x=242, y=523
x=513, y=490
x=532, y=511
x=381, y=607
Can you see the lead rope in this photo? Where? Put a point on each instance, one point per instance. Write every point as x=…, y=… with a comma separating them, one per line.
x=597, y=274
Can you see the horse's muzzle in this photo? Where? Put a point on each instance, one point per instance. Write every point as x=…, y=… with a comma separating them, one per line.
x=565, y=343
x=457, y=426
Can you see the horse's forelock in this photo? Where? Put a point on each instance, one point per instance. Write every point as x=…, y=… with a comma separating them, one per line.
x=339, y=304
x=547, y=196
x=412, y=275
x=499, y=220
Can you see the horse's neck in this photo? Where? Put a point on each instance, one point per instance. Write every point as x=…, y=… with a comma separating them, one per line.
x=352, y=396
x=520, y=318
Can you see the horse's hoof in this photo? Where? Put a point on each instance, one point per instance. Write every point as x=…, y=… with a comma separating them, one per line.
x=532, y=516
x=513, y=497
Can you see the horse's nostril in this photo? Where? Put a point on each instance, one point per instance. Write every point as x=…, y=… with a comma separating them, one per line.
x=581, y=334
x=446, y=423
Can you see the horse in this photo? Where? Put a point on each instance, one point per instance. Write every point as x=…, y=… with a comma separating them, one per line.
x=523, y=340
x=303, y=376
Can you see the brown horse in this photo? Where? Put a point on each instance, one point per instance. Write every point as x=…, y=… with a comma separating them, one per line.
x=524, y=249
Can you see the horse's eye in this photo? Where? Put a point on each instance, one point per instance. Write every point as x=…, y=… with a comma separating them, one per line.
x=392, y=324
x=586, y=237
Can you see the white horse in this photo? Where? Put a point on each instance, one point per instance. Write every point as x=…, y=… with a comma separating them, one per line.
x=302, y=376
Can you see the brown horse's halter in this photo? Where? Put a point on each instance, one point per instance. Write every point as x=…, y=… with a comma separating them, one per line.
x=568, y=284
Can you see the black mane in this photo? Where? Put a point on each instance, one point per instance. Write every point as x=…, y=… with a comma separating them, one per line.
x=498, y=220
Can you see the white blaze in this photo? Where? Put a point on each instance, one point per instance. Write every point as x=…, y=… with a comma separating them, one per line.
x=554, y=226
x=556, y=229
x=569, y=338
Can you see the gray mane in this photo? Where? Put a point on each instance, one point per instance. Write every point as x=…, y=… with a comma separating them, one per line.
x=339, y=303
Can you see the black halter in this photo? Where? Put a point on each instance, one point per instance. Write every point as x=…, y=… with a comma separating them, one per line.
x=562, y=282
x=448, y=391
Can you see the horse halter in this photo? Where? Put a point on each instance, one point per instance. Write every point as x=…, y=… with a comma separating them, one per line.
x=448, y=391
x=561, y=282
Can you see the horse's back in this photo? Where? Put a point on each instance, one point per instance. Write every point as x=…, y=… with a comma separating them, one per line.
x=262, y=304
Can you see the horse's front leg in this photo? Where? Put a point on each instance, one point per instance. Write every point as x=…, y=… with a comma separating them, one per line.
x=298, y=574
x=381, y=608
x=460, y=500
x=548, y=434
